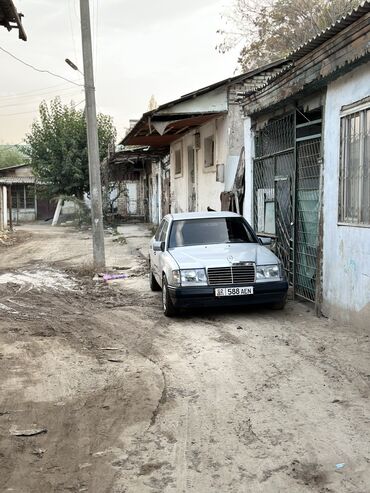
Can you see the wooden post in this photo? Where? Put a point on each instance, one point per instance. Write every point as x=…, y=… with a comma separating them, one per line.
x=10, y=204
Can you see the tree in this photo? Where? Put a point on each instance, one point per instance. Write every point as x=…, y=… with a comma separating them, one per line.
x=269, y=30
x=11, y=155
x=58, y=147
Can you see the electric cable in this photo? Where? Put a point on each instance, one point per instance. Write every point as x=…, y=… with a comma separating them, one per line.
x=35, y=110
x=38, y=69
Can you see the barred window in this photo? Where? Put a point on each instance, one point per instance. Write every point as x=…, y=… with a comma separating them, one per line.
x=354, y=189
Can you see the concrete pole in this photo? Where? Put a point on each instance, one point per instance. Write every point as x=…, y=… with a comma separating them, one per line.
x=92, y=139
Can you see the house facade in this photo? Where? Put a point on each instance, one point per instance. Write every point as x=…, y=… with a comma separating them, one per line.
x=138, y=183
x=22, y=199
x=307, y=165
x=203, y=134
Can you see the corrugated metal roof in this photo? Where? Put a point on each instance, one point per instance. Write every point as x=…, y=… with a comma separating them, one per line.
x=316, y=42
x=330, y=31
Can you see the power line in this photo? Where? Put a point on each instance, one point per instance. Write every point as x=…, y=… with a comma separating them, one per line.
x=72, y=30
x=38, y=69
x=21, y=99
x=72, y=92
x=30, y=93
x=35, y=110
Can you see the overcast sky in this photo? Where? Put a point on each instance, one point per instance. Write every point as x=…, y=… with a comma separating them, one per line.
x=142, y=47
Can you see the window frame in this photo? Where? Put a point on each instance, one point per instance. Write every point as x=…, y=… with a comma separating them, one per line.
x=347, y=114
x=178, y=151
x=213, y=151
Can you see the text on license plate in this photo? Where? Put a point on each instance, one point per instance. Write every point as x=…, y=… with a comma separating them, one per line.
x=234, y=291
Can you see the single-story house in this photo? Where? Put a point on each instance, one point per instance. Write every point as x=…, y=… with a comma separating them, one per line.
x=307, y=141
x=202, y=132
x=21, y=201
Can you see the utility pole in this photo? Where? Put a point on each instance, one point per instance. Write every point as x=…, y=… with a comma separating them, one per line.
x=92, y=139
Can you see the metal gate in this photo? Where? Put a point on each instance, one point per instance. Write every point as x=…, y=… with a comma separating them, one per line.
x=286, y=184
x=307, y=216
x=273, y=174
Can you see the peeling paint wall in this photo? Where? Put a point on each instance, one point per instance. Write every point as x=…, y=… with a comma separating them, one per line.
x=346, y=255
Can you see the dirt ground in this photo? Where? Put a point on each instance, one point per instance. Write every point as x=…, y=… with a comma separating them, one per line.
x=99, y=392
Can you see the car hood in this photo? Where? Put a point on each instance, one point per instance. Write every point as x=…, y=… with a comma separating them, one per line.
x=222, y=255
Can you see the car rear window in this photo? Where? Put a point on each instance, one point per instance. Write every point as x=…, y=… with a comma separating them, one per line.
x=210, y=231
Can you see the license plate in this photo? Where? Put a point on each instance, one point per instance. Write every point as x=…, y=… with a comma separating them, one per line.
x=234, y=291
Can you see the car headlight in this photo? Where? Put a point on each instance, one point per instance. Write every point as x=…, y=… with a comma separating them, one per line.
x=268, y=272
x=193, y=277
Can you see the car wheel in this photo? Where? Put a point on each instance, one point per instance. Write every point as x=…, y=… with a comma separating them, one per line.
x=154, y=286
x=168, y=309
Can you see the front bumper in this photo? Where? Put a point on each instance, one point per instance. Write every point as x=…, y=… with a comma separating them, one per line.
x=264, y=293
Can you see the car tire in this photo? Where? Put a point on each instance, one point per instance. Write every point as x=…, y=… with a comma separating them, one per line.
x=168, y=309
x=154, y=286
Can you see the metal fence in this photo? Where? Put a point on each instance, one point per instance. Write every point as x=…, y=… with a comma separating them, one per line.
x=273, y=174
x=286, y=182
x=307, y=214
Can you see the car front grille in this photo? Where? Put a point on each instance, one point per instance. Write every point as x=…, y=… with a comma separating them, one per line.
x=237, y=274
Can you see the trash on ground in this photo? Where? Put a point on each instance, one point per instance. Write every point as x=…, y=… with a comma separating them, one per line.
x=27, y=433
x=109, y=277
x=339, y=466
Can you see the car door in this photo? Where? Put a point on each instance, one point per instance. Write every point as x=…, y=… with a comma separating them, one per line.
x=154, y=257
x=161, y=255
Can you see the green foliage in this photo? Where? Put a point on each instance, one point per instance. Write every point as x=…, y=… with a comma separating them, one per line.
x=58, y=147
x=269, y=30
x=11, y=155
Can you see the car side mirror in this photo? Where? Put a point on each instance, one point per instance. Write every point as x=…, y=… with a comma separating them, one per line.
x=265, y=241
x=158, y=246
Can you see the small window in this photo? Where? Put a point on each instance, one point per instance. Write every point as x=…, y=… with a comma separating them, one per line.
x=209, y=151
x=30, y=196
x=23, y=196
x=354, y=181
x=178, y=162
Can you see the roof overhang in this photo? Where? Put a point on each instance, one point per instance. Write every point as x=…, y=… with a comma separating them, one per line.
x=161, y=130
x=17, y=180
x=11, y=19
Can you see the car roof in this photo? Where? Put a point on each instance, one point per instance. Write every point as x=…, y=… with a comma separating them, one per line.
x=200, y=215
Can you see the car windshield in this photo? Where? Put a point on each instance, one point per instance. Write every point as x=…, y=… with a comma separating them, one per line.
x=210, y=231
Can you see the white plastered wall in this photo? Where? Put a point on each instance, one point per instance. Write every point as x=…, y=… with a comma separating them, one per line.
x=346, y=249
x=228, y=133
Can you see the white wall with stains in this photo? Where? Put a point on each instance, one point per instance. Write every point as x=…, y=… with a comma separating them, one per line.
x=346, y=249
x=228, y=134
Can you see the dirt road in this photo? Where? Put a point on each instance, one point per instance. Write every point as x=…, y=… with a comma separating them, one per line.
x=100, y=393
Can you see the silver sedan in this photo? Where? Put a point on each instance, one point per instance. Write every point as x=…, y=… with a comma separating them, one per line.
x=213, y=259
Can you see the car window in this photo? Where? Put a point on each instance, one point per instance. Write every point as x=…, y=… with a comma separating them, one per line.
x=159, y=229
x=210, y=231
x=162, y=236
